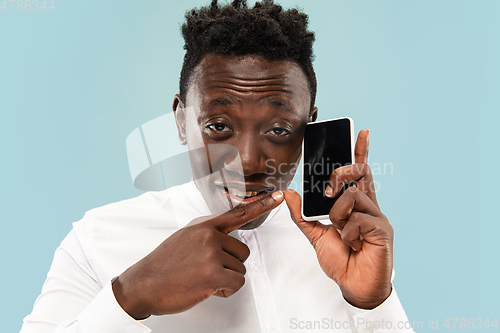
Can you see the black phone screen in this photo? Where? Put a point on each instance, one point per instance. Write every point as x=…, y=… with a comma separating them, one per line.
x=327, y=146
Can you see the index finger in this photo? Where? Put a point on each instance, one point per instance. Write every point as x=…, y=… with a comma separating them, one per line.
x=361, y=148
x=242, y=214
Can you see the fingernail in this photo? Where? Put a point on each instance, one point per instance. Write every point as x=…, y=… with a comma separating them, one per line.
x=329, y=191
x=278, y=195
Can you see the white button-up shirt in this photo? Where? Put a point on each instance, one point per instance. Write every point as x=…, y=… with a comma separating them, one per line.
x=285, y=289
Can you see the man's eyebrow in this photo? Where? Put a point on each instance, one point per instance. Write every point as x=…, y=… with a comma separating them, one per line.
x=284, y=105
x=224, y=100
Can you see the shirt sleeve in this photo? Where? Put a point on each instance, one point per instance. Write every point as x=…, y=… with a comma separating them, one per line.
x=73, y=300
x=387, y=317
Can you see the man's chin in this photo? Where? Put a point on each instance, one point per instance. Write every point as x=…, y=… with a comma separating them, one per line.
x=254, y=223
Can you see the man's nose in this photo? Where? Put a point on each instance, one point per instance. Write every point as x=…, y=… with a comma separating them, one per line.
x=251, y=157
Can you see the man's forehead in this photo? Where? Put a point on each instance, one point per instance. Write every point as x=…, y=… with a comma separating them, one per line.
x=250, y=68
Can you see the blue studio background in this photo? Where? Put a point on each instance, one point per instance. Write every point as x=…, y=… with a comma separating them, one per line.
x=422, y=75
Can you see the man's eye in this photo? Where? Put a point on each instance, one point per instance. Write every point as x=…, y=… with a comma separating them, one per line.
x=219, y=127
x=280, y=131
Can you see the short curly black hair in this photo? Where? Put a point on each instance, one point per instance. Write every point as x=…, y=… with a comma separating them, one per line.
x=236, y=30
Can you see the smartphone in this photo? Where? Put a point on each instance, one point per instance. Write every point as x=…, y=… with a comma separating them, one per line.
x=327, y=145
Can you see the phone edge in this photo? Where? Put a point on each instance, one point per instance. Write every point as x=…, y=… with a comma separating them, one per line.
x=322, y=217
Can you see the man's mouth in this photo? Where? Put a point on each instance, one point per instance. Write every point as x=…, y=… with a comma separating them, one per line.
x=236, y=195
x=240, y=194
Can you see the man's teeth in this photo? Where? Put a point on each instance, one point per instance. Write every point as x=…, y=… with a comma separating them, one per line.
x=241, y=194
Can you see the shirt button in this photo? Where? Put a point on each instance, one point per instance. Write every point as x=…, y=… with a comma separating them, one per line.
x=271, y=330
x=255, y=268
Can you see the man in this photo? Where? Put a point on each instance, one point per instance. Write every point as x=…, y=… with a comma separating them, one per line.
x=222, y=253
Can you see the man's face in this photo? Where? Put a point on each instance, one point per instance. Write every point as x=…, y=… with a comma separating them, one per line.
x=243, y=121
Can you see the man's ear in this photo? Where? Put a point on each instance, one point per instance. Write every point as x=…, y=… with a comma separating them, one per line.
x=180, y=118
x=313, y=115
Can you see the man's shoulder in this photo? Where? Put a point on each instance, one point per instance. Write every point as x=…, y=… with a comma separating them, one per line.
x=149, y=210
x=147, y=200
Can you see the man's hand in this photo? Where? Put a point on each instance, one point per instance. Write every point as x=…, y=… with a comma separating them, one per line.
x=196, y=262
x=356, y=249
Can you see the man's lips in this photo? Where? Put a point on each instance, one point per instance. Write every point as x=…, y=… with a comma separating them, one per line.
x=243, y=192
x=236, y=199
